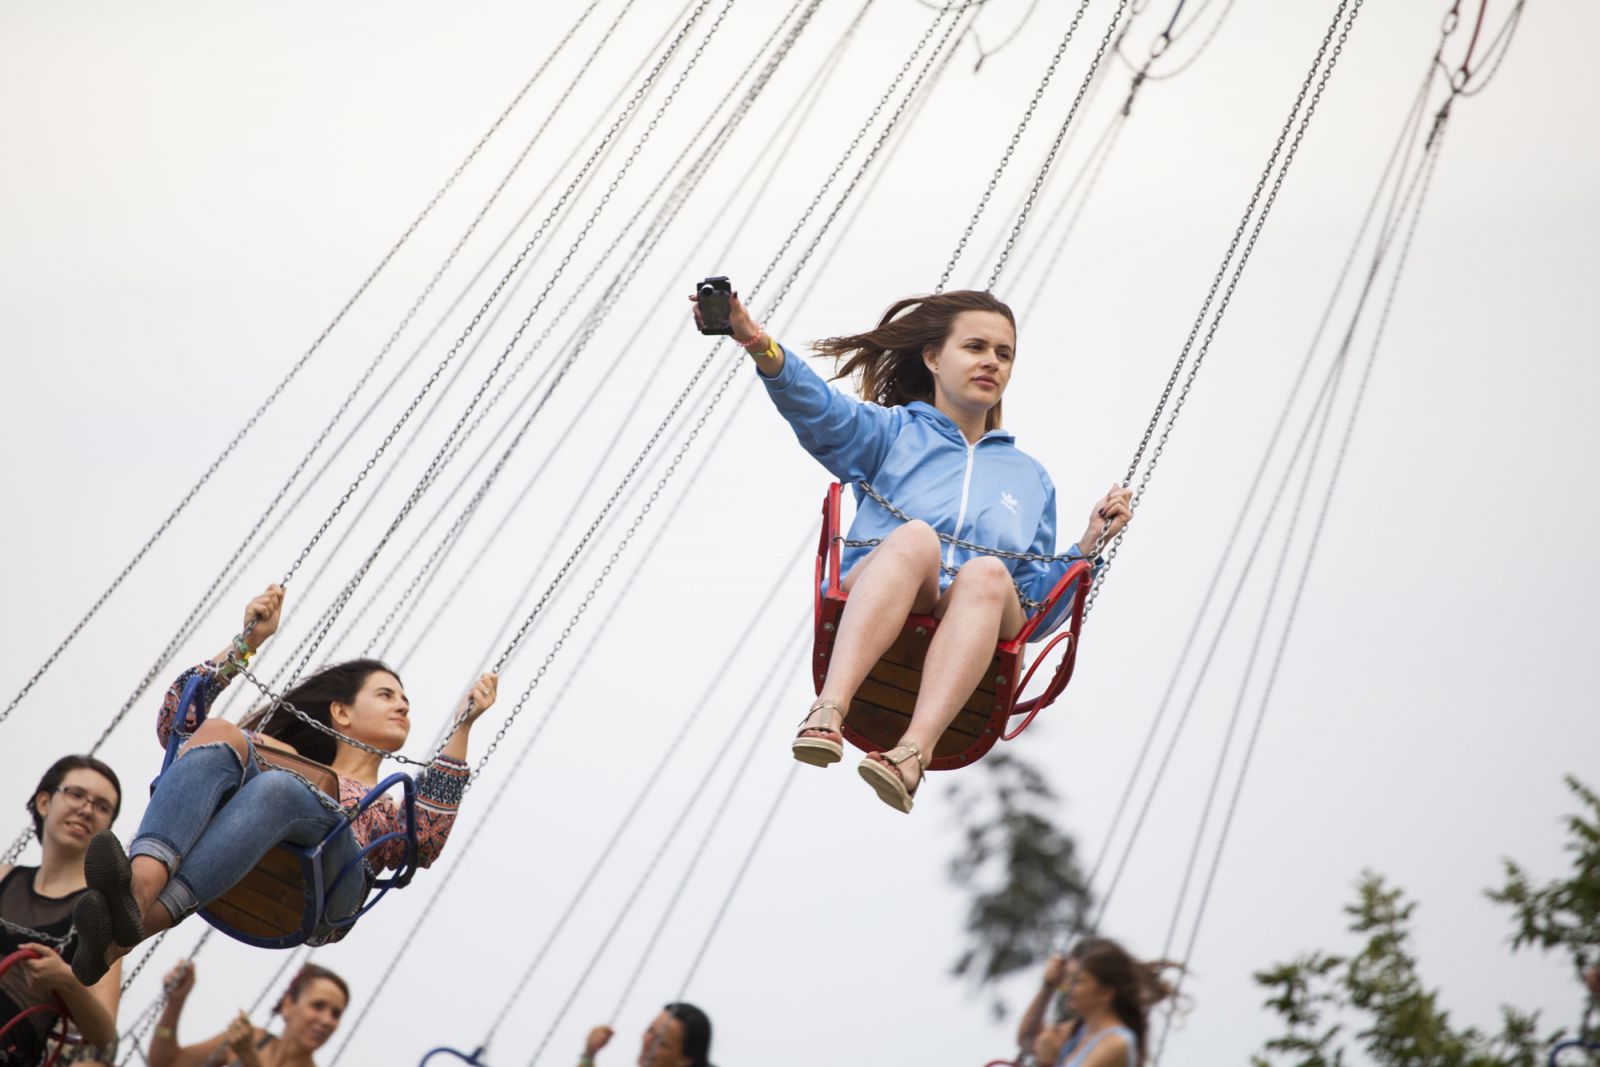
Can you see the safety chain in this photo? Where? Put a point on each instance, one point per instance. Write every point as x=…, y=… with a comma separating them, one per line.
x=1293, y=146
x=1055, y=147
x=283, y=383
x=1011, y=147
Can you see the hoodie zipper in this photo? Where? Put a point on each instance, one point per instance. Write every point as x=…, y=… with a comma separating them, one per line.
x=961, y=513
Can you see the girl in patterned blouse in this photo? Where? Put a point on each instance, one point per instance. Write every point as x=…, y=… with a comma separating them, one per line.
x=221, y=806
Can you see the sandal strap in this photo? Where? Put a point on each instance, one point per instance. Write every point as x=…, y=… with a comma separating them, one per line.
x=822, y=705
x=913, y=750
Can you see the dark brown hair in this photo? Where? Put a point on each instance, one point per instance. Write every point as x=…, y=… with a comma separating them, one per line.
x=308, y=974
x=315, y=695
x=57, y=774
x=1135, y=986
x=888, y=358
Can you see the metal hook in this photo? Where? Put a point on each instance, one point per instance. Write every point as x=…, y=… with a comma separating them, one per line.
x=1160, y=44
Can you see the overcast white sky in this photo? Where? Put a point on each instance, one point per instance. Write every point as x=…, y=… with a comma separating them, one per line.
x=193, y=190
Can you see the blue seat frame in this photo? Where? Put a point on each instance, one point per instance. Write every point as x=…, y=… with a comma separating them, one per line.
x=315, y=888
x=457, y=1053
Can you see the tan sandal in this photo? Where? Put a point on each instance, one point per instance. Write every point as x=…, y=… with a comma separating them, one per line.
x=819, y=745
x=881, y=770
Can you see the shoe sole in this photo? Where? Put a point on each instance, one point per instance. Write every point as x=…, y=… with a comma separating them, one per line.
x=91, y=921
x=816, y=752
x=890, y=789
x=106, y=868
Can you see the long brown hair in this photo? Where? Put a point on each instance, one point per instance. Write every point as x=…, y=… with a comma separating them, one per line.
x=315, y=695
x=888, y=358
x=1135, y=986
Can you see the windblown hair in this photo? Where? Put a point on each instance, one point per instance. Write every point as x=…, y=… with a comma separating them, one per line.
x=315, y=695
x=1135, y=986
x=888, y=358
x=57, y=774
x=696, y=1032
x=308, y=974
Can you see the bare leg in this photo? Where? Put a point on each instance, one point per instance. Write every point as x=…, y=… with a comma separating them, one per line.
x=898, y=578
x=979, y=609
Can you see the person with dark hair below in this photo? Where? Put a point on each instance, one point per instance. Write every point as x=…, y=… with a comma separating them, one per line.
x=928, y=438
x=1108, y=996
x=78, y=797
x=233, y=794
x=679, y=1037
x=311, y=1009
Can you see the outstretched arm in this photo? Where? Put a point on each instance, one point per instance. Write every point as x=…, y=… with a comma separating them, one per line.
x=93, y=1008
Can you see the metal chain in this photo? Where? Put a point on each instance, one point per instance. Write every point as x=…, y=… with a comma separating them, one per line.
x=794, y=120
x=1426, y=172
x=277, y=391
x=590, y=323
x=735, y=368
x=1011, y=147
x=349, y=589
x=1407, y=136
x=214, y=592
x=793, y=649
x=1293, y=147
x=495, y=803
x=133, y=1037
x=1055, y=147
x=1089, y=178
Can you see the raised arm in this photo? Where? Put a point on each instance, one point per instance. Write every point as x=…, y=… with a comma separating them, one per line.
x=847, y=436
x=1033, y=1019
x=261, y=618
x=164, y=1048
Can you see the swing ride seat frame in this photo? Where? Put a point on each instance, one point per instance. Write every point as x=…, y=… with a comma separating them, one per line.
x=1571, y=1043
x=60, y=1035
x=445, y=1050
x=883, y=705
x=282, y=902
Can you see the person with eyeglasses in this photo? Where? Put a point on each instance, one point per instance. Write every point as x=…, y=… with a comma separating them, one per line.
x=78, y=797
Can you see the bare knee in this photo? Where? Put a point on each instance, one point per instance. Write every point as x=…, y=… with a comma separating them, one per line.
x=982, y=576
x=916, y=542
x=219, y=732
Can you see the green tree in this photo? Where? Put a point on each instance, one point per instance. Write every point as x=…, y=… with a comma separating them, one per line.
x=1018, y=867
x=1377, y=1001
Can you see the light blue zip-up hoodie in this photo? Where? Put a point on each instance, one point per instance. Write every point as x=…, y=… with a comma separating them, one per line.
x=990, y=493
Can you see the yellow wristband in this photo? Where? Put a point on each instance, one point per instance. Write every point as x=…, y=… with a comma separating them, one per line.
x=767, y=351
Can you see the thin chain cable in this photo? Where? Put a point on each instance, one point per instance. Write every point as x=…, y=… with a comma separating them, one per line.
x=501, y=307
x=1288, y=149
x=1088, y=179
x=164, y=660
x=277, y=390
x=133, y=1037
x=1200, y=50
x=1055, y=147
x=1011, y=146
x=988, y=53
x=738, y=878
x=1498, y=48
x=735, y=367
x=697, y=857
x=350, y=586
x=470, y=285
x=791, y=650
x=1427, y=172
x=558, y=702
x=1269, y=451
x=795, y=120
x=590, y=324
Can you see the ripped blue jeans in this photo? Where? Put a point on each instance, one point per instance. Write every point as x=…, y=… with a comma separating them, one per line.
x=210, y=821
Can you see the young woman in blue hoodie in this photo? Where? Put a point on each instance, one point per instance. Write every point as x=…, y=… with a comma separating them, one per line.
x=927, y=437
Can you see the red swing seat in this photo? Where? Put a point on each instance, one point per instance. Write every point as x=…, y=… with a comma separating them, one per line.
x=61, y=1033
x=882, y=707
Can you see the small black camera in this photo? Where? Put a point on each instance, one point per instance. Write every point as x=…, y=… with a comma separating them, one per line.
x=715, y=302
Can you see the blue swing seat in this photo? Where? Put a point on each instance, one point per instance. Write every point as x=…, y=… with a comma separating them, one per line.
x=457, y=1053
x=283, y=901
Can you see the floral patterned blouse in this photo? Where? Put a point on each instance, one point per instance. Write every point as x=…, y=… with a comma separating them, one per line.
x=439, y=788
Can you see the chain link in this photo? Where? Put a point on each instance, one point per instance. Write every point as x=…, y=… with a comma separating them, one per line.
x=1011, y=147
x=281, y=386
x=1293, y=146
x=1055, y=147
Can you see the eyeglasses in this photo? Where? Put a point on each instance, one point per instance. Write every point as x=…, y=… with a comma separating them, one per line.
x=103, y=808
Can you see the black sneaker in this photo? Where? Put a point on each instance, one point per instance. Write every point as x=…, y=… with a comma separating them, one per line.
x=107, y=870
x=91, y=922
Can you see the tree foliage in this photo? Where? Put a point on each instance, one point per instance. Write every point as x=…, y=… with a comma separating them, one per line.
x=1018, y=867
x=1377, y=1001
